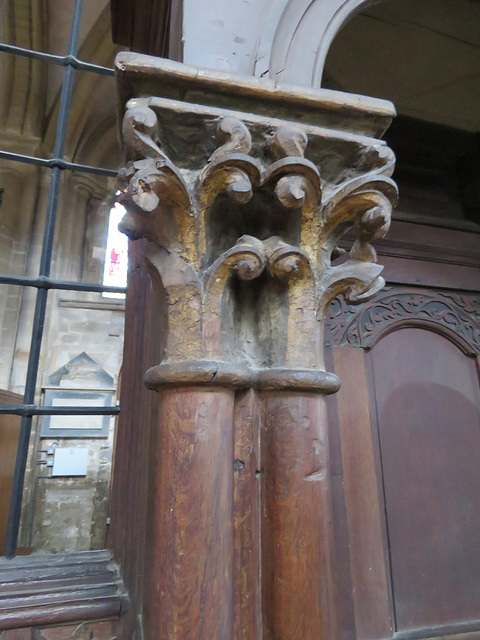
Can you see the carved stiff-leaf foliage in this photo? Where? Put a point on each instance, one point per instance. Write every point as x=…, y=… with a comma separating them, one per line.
x=230, y=169
x=292, y=264
x=247, y=259
x=154, y=192
x=364, y=203
x=171, y=208
x=295, y=178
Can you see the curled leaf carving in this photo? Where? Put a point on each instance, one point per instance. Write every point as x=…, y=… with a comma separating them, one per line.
x=139, y=131
x=153, y=188
x=234, y=136
x=289, y=141
x=295, y=178
x=284, y=260
x=230, y=169
x=364, y=203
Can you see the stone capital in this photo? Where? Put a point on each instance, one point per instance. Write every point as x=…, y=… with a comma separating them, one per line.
x=245, y=204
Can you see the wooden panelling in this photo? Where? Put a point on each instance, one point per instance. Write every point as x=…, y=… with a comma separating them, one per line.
x=428, y=416
x=424, y=255
x=9, y=432
x=423, y=273
x=104, y=630
x=18, y=634
x=367, y=557
x=456, y=314
x=50, y=589
x=344, y=599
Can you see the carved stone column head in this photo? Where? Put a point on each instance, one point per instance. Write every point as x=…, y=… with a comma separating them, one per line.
x=245, y=189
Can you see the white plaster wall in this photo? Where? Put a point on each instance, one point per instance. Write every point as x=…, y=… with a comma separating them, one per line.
x=223, y=34
x=285, y=40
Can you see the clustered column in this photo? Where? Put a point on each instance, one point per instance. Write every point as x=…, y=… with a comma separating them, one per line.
x=244, y=212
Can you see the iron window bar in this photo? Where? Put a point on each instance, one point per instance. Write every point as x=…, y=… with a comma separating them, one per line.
x=59, y=163
x=63, y=61
x=39, y=410
x=43, y=282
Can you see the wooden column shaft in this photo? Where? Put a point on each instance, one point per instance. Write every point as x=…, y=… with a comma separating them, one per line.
x=239, y=504
x=297, y=582
x=246, y=509
x=190, y=542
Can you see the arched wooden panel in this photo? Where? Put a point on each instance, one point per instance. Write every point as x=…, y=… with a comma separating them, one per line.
x=426, y=393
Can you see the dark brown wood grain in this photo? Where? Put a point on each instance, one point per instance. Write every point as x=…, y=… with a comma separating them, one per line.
x=143, y=25
x=341, y=544
x=297, y=578
x=9, y=432
x=428, y=417
x=143, y=346
x=189, y=574
x=373, y=619
x=18, y=634
x=246, y=513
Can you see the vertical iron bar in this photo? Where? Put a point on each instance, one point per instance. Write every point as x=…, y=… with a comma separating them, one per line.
x=42, y=294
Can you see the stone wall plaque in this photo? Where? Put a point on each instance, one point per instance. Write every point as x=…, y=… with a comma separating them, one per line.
x=76, y=426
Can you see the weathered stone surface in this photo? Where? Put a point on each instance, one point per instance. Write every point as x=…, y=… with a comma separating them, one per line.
x=244, y=211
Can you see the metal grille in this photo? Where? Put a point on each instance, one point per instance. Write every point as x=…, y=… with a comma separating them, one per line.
x=43, y=283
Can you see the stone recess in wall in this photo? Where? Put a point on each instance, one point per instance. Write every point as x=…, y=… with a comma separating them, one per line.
x=70, y=513
x=81, y=381
x=81, y=371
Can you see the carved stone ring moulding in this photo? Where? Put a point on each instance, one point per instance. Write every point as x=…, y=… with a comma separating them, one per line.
x=245, y=212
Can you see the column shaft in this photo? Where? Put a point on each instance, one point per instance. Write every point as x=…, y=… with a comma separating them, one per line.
x=246, y=509
x=297, y=581
x=189, y=545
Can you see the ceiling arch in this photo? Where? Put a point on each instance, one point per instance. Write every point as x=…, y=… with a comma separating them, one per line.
x=424, y=57
x=303, y=32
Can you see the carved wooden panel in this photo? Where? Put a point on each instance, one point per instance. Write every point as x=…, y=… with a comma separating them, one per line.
x=420, y=467
x=454, y=313
x=426, y=397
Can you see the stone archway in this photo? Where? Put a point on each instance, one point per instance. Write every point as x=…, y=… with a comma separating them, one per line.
x=299, y=25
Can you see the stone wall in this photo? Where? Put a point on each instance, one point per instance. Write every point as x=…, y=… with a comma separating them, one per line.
x=59, y=514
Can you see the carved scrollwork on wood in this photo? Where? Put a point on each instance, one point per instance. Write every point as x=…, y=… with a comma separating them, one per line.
x=457, y=314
